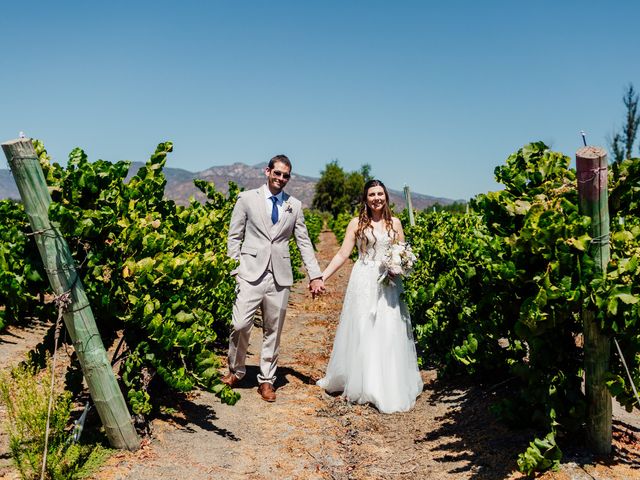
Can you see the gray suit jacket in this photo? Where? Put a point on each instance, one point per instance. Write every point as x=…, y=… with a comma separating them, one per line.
x=256, y=242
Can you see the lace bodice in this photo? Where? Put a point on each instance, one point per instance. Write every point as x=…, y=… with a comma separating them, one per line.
x=376, y=247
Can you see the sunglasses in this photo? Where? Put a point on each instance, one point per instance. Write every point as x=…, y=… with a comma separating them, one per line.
x=279, y=174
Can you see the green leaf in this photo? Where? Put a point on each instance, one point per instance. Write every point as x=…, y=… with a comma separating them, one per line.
x=612, y=306
x=581, y=243
x=627, y=298
x=148, y=308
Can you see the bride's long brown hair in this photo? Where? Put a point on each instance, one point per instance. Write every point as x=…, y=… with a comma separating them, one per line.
x=364, y=217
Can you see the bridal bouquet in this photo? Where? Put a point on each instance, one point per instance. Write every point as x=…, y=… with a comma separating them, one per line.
x=398, y=260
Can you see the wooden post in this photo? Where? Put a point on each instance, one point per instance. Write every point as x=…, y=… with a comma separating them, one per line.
x=592, y=167
x=407, y=199
x=79, y=320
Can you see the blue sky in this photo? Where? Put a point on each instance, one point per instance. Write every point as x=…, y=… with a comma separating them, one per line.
x=431, y=94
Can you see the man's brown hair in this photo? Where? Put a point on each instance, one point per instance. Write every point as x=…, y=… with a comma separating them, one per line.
x=281, y=159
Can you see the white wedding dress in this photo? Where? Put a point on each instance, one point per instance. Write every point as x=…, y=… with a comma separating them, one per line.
x=374, y=357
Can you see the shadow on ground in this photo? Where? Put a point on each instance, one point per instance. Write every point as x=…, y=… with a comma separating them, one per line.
x=189, y=414
x=469, y=434
x=625, y=451
x=626, y=443
x=250, y=380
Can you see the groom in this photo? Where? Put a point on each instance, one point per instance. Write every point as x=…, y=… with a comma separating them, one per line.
x=262, y=222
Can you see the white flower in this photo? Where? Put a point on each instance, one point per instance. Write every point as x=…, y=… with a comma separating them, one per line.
x=398, y=260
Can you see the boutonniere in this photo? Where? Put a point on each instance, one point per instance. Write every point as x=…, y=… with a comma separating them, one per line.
x=287, y=207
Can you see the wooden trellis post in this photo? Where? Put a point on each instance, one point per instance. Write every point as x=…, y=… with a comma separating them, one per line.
x=592, y=167
x=407, y=198
x=78, y=319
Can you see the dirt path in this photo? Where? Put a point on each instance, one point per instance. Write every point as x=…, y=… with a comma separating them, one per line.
x=308, y=434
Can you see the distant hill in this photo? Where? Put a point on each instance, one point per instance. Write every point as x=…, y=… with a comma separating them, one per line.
x=180, y=185
x=8, y=188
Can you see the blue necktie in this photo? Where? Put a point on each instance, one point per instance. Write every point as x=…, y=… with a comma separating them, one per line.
x=274, y=210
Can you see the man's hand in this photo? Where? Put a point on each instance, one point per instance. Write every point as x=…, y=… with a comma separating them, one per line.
x=316, y=286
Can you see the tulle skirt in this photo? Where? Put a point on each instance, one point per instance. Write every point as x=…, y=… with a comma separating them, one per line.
x=374, y=356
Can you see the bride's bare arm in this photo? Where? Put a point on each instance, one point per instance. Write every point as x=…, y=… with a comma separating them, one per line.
x=345, y=250
x=397, y=226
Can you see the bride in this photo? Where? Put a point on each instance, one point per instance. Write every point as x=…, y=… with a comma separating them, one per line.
x=374, y=357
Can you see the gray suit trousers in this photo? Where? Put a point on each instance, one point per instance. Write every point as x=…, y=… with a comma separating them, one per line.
x=273, y=298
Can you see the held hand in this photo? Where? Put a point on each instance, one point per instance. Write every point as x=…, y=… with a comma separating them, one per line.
x=316, y=286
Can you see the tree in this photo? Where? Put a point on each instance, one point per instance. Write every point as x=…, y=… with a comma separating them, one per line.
x=330, y=190
x=617, y=151
x=621, y=144
x=365, y=171
x=338, y=191
x=354, y=184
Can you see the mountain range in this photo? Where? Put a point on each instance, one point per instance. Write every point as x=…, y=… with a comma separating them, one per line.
x=180, y=185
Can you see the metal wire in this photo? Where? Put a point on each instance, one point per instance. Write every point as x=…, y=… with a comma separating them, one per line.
x=595, y=172
x=633, y=386
x=601, y=239
x=62, y=301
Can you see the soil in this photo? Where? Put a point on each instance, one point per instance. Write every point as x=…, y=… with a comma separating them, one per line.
x=308, y=434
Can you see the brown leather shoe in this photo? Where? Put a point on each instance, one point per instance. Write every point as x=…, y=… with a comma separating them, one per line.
x=267, y=392
x=230, y=379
